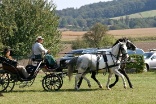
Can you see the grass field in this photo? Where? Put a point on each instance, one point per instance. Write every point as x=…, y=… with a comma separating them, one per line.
x=143, y=93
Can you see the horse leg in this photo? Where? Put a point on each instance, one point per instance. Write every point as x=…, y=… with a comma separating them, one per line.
x=122, y=76
x=94, y=77
x=113, y=84
x=125, y=74
x=88, y=82
x=122, y=67
x=79, y=83
x=109, y=78
x=122, y=71
x=77, y=77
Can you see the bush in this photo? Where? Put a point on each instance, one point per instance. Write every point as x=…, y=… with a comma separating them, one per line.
x=78, y=43
x=138, y=63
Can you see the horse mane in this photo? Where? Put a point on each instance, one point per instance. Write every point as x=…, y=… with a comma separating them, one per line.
x=120, y=40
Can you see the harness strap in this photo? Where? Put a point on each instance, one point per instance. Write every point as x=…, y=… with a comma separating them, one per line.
x=104, y=55
x=106, y=62
x=112, y=56
x=97, y=64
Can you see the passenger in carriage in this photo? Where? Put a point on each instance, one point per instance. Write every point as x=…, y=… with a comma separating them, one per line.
x=21, y=68
x=38, y=51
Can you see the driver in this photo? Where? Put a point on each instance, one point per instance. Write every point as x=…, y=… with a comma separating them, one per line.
x=38, y=51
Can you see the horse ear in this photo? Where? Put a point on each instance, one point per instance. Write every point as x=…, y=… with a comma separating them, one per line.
x=119, y=42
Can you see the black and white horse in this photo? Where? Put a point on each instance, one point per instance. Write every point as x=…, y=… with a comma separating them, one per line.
x=130, y=46
x=88, y=63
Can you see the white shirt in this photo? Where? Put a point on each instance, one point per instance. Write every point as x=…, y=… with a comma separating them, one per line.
x=38, y=49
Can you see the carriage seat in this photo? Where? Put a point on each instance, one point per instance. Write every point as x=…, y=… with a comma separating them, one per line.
x=37, y=58
x=6, y=60
x=10, y=68
x=48, y=60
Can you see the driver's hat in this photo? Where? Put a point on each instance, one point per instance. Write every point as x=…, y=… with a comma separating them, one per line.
x=39, y=37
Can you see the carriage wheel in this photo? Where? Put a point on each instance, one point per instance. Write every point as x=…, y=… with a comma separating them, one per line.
x=61, y=78
x=4, y=81
x=51, y=82
x=11, y=83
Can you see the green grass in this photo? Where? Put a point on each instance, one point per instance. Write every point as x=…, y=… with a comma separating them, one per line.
x=144, y=92
x=145, y=14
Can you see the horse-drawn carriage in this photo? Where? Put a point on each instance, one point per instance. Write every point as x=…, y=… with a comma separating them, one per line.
x=11, y=76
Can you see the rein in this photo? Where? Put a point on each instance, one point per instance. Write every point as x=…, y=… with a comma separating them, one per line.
x=120, y=51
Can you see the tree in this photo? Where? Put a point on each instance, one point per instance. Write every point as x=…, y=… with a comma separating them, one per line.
x=21, y=21
x=96, y=36
x=79, y=43
x=63, y=22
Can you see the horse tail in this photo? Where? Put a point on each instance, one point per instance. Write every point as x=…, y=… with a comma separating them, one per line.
x=71, y=67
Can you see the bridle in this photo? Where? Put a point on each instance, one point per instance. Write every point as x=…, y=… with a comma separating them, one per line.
x=122, y=53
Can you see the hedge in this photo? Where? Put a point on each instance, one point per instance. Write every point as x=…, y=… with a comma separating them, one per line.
x=138, y=63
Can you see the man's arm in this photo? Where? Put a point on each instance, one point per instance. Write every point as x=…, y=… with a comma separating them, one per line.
x=43, y=49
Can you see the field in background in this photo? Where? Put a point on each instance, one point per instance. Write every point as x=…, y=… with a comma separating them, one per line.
x=145, y=14
x=134, y=33
x=141, y=32
x=72, y=35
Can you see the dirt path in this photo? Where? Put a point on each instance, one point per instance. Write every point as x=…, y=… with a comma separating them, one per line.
x=146, y=45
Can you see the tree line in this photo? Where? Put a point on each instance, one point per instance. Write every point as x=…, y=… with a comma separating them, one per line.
x=88, y=15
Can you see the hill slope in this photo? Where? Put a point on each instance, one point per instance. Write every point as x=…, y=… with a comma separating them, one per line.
x=86, y=16
x=109, y=9
x=146, y=14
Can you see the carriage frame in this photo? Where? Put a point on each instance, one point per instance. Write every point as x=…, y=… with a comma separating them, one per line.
x=11, y=76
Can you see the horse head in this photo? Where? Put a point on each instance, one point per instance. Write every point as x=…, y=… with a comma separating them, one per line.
x=123, y=50
x=129, y=44
x=120, y=51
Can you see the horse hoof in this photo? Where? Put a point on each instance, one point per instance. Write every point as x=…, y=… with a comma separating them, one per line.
x=108, y=88
x=76, y=88
x=89, y=86
x=125, y=87
x=100, y=86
